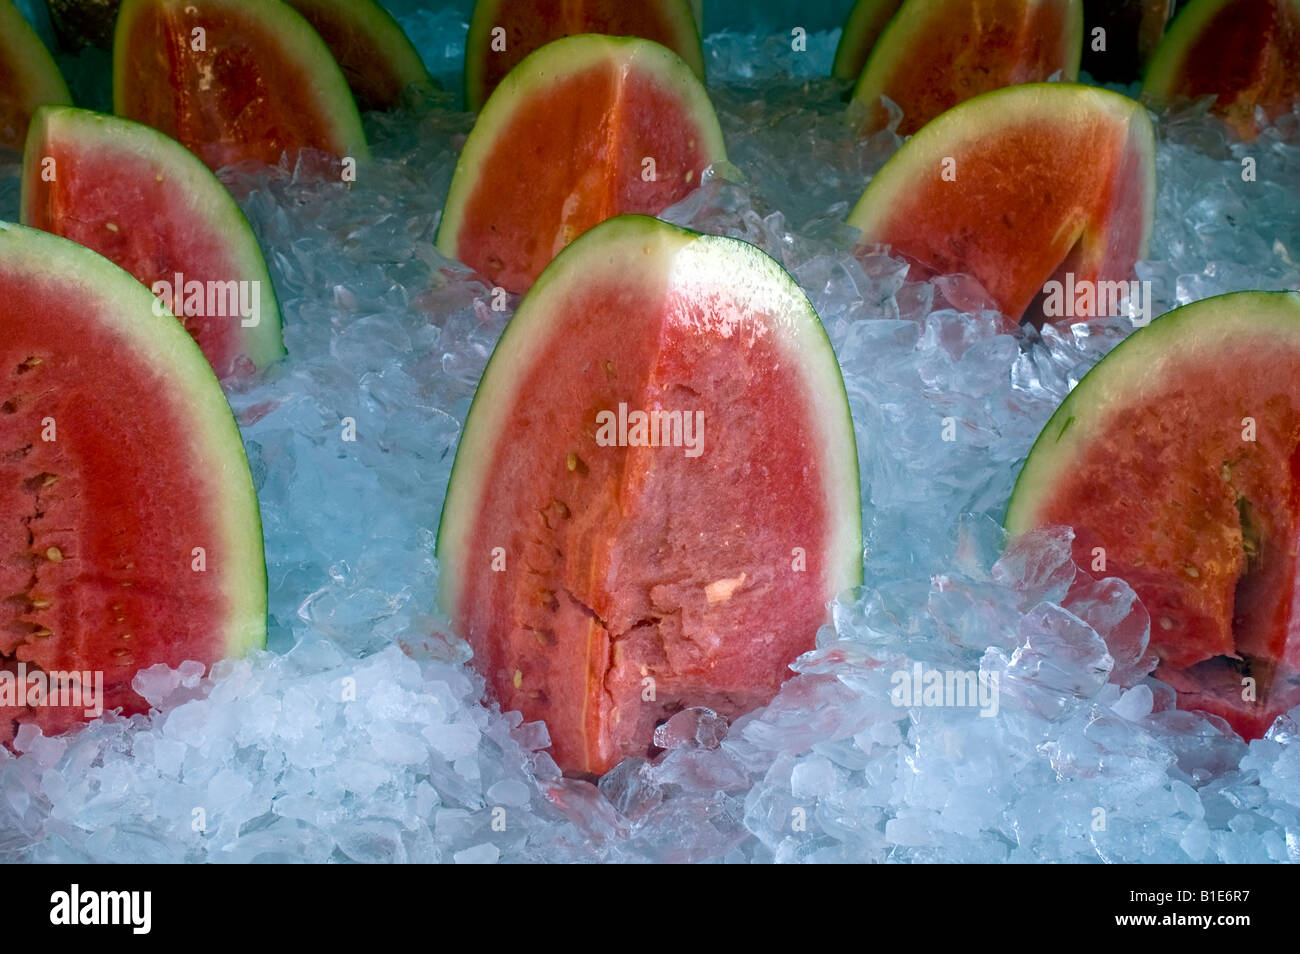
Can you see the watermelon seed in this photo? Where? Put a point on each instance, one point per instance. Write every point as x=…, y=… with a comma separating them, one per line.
x=30, y=363
x=119, y=653
x=519, y=678
x=111, y=226
x=1191, y=571
x=10, y=406
x=42, y=633
x=54, y=554
x=1166, y=622
x=39, y=603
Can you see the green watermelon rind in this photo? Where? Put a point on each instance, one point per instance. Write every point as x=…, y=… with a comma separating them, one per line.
x=1166, y=62
x=21, y=43
x=739, y=268
x=154, y=336
x=209, y=200
x=385, y=32
x=689, y=48
x=1131, y=373
x=862, y=28
x=984, y=115
x=895, y=45
x=296, y=39
x=548, y=64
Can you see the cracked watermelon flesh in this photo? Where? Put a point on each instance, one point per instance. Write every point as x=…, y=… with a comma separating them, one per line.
x=370, y=47
x=148, y=204
x=118, y=458
x=1050, y=178
x=562, y=146
x=705, y=574
x=264, y=83
x=1149, y=459
x=29, y=77
x=531, y=24
x=933, y=55
x=1245, y=53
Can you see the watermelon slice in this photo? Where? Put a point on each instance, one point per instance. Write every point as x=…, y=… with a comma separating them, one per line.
x=376, y=57
x=933, y=55
x=603, y=582
x=1245, y=53
x=503, y=32
x=147, y=203
x=1132, y=31
x=867, y=20
x=584, y=129
x=1179, y=456
x=232, y=81
x=28, y=76
x=1019, y=187
x=130, y=532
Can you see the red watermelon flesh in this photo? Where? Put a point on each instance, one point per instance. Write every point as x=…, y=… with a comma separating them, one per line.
x=563, y=146
x=1181, y=461
x=531, y=24
x=1042, y=180
x=633, y=563
x=118, y=457
x=263, y=84
x=144, y=202
x=1245, y=53
x=932, y=56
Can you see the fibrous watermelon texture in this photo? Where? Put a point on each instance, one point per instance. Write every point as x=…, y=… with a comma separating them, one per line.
x=1244, y=53
x=147, y=203
x=1177, y=462
x=129, y=529
x=934, y=54
x=586, y=128
x=29, y=76
x=503, y=32
x=656, y=494
x=375, y=55
x=233, y=81
x=1048, y=182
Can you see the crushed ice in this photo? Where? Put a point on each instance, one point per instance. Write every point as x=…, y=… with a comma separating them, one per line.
x=359, y=736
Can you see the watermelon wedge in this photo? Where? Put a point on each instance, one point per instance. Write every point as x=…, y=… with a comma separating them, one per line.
x=586, y=128
x=863, y=27
x=1047, y=182
x=147, y=203
x=935, y=54
x=232, y=81
x=503, y=32
x=1178, y=456
x=29, y=76
x=376, y=57
x=1245, y=53
x=656, y=493
x=130, y=529
x=1132, y=31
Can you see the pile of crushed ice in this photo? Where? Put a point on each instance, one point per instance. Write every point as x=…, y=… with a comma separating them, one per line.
x=359, y=734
